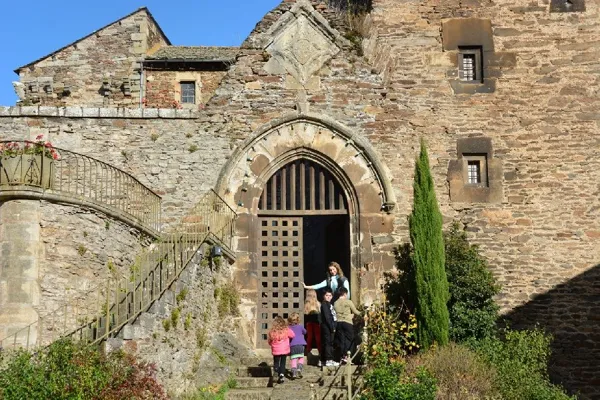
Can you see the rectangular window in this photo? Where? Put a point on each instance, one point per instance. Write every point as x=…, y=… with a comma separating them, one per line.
x=188, y=92
x=475, y=169
x=470, y=64
x=474, y=172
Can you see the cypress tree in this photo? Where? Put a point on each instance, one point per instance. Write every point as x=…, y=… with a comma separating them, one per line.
x=431, y=283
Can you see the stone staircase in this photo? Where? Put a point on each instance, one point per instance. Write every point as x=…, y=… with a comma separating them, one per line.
x=255, y=382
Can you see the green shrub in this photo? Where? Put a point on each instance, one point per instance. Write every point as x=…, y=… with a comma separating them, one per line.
x=388, y=382
x=521, y=360
x=473, y=311
x=391, y=335
x=67, y=370
x=228, y=300
x=460, y=373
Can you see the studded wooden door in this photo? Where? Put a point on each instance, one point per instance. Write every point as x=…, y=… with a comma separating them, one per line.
x=280, y=272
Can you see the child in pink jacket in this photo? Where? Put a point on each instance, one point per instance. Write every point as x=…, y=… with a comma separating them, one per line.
x=279, y=340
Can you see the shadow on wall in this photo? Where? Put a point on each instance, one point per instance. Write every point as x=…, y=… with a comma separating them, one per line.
x=571, y=313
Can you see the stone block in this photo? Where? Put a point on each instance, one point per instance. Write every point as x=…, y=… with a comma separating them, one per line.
x=166, y=113
x=30, y=110
x=108, y=112
x=467, y=32
x=90, y=112
x=150, y=113
x=48, y=111
x=73, y=112
x=4, y=111
x=133, y=113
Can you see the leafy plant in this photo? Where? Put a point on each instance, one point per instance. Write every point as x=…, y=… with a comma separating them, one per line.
x=81, y=250
x=188, y=321
x=521, y=359
x=181, y=295
x=391, y=335
x=473, y=311
x=388, y=382
x=431, y=283
x=37, y=147
x=175, y=314
x=166, y=324
x=68, y=370
x=228, y=300
x=193, y=148
x=213, y=392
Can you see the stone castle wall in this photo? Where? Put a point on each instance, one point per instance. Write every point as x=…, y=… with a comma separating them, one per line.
x=537, y=111
x=101, y=69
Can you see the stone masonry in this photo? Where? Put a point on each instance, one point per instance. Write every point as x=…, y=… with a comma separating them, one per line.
x=385, y=80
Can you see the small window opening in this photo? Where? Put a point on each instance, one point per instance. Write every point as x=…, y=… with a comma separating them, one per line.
x=474, y=172
x=475, y=169
x=188, y=92
x=470, y=64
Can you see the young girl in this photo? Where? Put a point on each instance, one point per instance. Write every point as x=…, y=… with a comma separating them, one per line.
x=312, y=308
x=279, y=340
x=297, y=345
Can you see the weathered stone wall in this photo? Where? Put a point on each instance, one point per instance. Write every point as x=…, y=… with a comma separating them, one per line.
x=172, y=152
x=163, y=88
x=101, y=69
x=80, y=250
x=194, y=332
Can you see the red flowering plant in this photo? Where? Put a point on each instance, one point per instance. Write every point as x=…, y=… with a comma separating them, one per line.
x=38, y=147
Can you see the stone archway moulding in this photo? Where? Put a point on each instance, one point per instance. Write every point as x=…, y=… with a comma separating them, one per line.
x=353, y=154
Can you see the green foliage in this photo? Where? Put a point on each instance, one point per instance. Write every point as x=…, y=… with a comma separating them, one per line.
x=212, y=392
x=67, y=370
x=228, y=300
x=473, y=311
x=431, y=284
x=201, y=338
x=391, y=335
x=188, y=322
x=521, y=360
x=181, y=295
x=81, y=249
x=388, y=382
x=107, y=225
x=166, y=324
x=459, y=371
x=193, y=148
x=175, y=314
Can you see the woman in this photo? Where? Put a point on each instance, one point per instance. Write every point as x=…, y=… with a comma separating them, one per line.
x=335, y=279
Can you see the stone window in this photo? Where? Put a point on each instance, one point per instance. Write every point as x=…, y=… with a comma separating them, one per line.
x=188, y=92
x=567, y=6
x=470, y=66
x=476, y=169
x=476, y=175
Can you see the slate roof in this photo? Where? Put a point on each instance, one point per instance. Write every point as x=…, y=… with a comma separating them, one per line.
x=195, y=53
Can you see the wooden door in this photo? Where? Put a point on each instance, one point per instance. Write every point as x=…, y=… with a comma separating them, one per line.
x=280, y=270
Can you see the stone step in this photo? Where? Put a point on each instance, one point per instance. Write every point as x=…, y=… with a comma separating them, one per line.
x=255, y=372
x=248, y=382
x=249, y=394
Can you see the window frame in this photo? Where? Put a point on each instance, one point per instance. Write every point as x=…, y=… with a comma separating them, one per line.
x=481, y=160
x=476, y=52
x=186, y=96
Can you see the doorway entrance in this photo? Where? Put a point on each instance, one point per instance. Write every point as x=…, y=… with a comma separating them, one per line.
x=303, y=225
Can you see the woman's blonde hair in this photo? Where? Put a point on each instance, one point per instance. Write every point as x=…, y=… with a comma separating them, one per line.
x=311, y=303
x=340, y=273
x=278, y=330
x=294, y=319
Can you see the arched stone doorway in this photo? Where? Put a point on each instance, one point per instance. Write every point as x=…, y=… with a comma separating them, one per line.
x=348, y=163
x=303, y=215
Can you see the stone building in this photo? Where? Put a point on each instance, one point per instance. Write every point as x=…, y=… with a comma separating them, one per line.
x=309, y=131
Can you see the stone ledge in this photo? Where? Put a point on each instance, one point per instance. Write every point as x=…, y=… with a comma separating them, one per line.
x=98, y=112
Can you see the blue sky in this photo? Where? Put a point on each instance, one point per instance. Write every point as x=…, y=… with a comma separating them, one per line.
x=35, y=28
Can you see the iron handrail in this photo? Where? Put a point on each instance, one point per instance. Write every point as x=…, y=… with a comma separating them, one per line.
x=119, y=300
x=47, y=169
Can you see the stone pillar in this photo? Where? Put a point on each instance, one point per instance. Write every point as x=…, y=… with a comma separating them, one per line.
x=19, y=268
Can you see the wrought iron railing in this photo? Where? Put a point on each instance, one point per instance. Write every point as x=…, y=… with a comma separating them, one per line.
x=97, y=314
x=52, y=171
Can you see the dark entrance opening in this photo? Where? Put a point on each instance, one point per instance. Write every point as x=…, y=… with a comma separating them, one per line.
x=326, y=239
x=303, y=225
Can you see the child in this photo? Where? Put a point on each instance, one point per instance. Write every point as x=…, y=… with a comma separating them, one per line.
x=279, y=340
x=312, y=308
x=297, y=345
x=328, y=321
x=344, y=335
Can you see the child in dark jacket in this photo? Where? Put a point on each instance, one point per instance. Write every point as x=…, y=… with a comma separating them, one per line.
x=297, y=344
x=328, y=322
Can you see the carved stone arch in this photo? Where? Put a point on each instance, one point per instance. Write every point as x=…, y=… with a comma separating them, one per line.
x=303, y=153
x=351, y=152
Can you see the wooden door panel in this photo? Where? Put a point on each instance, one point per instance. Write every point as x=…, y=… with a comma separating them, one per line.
x=280, y=271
